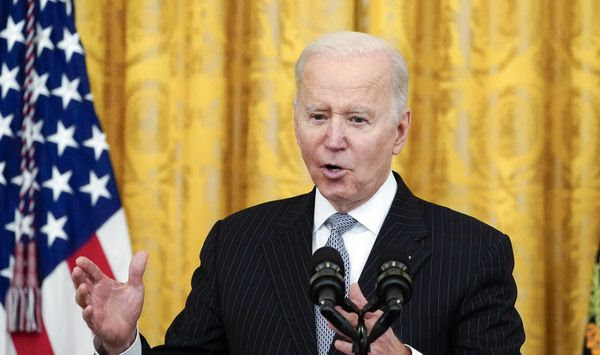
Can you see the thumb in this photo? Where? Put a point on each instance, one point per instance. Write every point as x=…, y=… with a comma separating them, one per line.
x=356, y=295
x=137, y=267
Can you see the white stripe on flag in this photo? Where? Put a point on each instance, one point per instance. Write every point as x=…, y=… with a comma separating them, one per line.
x=67, y=331
x=114, y=239
x=6, y=344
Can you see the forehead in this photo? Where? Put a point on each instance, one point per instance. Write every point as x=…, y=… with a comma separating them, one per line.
x=365, y=77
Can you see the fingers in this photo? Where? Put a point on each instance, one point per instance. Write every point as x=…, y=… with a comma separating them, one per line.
x=356, y=295
x=388, y=343
x=79, y=277
x=343, y=346
x=88, y=315
x=91, y=270
x=82, y=295
x=373, y=315
x=137, y=268
x=370, y=319
x=351, y=317
x=337, y=331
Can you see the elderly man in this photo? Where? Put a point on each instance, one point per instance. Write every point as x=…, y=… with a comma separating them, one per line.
x=250, y=294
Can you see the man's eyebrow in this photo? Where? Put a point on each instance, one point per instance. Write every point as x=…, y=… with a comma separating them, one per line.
x=312, y=107
x=359, y=109
x=354, y=109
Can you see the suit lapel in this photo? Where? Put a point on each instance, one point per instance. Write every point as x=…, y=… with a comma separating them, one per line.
x=288, y=253
x=403, y=228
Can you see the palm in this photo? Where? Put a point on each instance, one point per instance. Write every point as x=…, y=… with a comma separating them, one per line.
x=116, y=308
x=110, y=308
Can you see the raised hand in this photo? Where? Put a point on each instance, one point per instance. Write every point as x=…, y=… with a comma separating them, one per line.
x=110, y=308
x=387, y=343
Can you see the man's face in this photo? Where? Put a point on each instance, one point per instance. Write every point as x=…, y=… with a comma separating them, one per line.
x=344, y=126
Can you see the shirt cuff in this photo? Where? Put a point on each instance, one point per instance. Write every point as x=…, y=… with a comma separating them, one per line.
x=413, y=350
x=134, y=349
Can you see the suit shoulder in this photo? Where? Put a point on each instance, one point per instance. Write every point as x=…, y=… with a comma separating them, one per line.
x=267, y=215
x=275, y=207
x=445, y=221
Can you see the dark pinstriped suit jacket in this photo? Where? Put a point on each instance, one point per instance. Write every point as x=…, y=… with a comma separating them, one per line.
x=250, y=295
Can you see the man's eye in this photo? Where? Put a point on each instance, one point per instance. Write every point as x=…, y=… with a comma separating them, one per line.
x=317, y=116
x=357, y=119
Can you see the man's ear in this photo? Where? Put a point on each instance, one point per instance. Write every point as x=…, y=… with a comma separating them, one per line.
x=296, y=125
x=402, y=128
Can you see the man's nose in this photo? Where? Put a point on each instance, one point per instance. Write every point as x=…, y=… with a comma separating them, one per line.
x=335, y=136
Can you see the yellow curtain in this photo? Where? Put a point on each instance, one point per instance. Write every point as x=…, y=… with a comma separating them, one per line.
x=196, y=100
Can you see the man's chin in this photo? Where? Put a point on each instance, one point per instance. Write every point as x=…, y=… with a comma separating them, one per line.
x=333, y=189
x=337, y=197
x=327, y=191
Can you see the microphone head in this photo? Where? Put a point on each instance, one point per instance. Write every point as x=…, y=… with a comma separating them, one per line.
x=327, y=277
x=324, y=255
x=393, y=277
x=395, y=254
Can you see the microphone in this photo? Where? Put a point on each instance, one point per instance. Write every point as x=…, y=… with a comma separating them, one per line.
x=327, y=288
x=327, y=277
x=394, y=284
x=394, y=288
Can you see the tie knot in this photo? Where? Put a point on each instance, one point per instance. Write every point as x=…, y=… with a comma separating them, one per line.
x=341, y=222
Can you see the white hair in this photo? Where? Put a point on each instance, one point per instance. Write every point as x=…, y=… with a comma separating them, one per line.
x=351, y=44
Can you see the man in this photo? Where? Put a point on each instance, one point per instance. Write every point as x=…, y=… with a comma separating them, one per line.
x=250, y=294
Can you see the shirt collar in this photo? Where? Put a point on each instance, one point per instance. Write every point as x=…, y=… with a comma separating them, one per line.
x=370, y=214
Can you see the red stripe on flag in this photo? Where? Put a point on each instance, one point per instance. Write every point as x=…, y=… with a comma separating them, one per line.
x=93, y=251
x=32, y=343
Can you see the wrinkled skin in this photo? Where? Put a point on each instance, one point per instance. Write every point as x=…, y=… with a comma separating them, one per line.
x=110, y=308
x=344, y=126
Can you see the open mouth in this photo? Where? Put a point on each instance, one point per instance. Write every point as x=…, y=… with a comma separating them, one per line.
x=333, y=171
x=332, y=167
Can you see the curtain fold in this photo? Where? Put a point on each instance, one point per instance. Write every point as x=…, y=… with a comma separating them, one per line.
x=196, y=101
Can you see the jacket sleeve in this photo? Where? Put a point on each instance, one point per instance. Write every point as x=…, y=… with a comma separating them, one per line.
x=198, y=328
x=488, y=322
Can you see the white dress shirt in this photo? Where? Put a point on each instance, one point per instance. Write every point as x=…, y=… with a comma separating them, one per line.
x=359, y=239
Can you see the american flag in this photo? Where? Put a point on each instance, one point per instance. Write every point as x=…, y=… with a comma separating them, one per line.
x=57, y=186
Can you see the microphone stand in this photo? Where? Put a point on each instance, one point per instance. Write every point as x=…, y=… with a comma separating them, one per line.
x=390, y=313
x=339, y=322
x=361, y=340
x=360, y=344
